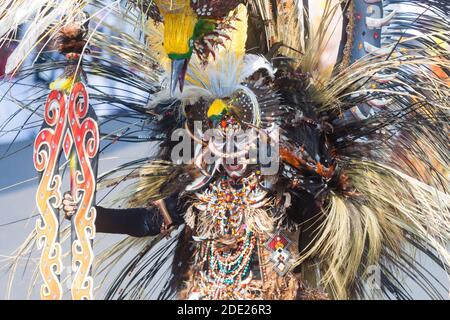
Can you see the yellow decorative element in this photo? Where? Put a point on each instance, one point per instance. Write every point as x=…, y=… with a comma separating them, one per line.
x=155, y=33
x=62, y=84
x=217, y=108
x=178, y=30
x=238, y=34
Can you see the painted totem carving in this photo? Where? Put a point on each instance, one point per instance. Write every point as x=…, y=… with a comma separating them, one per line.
x=70, y=128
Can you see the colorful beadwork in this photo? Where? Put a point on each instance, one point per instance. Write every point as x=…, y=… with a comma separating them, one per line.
x=280, y=255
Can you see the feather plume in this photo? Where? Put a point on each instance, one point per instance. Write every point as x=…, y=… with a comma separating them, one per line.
x=48, y=16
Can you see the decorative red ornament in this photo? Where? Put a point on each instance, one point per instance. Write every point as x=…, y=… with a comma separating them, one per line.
x=278, y=241
x=73, y=56
x=68, y=129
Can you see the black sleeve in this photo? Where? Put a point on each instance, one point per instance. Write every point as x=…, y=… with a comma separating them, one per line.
x=140, y=222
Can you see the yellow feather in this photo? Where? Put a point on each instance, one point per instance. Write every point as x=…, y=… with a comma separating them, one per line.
x=238, y=35
x=178, y=30
x=216, y=108
x=62, y=84
x=179, y=24
x=155, y=33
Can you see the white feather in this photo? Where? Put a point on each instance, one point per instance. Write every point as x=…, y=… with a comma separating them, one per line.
x=223, y=77
x=253, y=63
x=44, y=13
x=220, y=79
x=17, y=13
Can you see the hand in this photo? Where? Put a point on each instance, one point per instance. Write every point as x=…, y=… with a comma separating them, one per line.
x=69, y=206
x=166, y=230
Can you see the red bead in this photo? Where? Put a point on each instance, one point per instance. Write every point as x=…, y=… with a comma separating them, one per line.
x=376, y=35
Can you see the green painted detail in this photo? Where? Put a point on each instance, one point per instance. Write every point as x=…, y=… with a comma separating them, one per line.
x=181, y=56
x=202, y=27
x=218, y=117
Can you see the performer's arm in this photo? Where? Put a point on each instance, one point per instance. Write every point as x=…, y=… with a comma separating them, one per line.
x=137, y=222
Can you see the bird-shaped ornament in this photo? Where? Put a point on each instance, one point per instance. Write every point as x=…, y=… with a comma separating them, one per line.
x=193, y=26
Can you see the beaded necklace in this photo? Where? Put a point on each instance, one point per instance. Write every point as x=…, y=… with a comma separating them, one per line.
x=229, y=268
